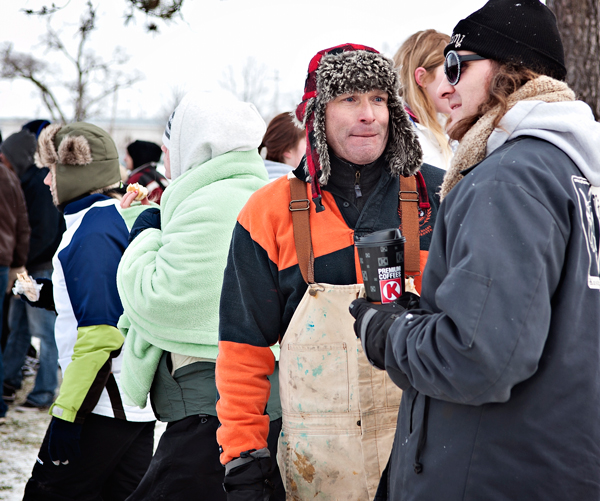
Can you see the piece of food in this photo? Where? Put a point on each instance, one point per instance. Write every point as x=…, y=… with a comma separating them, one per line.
x=142, y=191
x=24, y=285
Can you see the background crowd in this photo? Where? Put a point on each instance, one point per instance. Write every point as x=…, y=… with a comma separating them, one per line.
x=212, y=283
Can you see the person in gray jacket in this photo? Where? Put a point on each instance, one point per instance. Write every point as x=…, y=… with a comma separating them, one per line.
x=499, y=364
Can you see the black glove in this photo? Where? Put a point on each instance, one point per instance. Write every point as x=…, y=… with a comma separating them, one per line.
x=46, y=299
x=247, y=477
x=150, y=218
x=63, y=442
x=371, y=327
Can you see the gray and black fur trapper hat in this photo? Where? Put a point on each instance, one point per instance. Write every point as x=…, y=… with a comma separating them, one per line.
x=345, y=69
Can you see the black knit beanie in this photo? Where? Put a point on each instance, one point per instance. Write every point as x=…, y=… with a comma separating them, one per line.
x=143, y=152
x=522, y=32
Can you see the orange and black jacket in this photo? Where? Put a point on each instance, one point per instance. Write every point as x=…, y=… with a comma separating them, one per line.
x=263, y=286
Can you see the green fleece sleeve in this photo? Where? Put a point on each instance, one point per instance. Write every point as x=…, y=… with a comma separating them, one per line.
x=86, y=375
x=130, y=214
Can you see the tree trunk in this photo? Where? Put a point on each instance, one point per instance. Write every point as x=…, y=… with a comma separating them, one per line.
x=579, y=25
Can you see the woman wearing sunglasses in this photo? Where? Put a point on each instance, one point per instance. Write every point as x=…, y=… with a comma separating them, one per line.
x=499, y=366
x=420, y=61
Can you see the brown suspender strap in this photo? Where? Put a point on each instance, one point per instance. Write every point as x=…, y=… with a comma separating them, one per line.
x=409, y=217
x=409, y=214
x=300, y=209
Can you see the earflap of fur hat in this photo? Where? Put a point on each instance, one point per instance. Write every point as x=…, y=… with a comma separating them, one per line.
x=74, y=150
x=403, y=152
x=46, y=154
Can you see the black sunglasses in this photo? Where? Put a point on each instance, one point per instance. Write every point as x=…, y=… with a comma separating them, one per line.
x=452, y=65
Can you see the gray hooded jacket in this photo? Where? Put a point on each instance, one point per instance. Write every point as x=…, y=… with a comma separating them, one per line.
x=500, y=366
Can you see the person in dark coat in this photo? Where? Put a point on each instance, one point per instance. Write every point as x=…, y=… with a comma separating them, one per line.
x=14, y=241
x=47, y=226
x=499, y=365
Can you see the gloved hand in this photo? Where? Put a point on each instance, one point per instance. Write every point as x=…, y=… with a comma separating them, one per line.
x=246, y=477
x=63, y=442
x=150, y=218
x=46, y=299
x=371, y=327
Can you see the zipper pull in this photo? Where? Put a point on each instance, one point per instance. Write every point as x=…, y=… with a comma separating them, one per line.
x=357, y=185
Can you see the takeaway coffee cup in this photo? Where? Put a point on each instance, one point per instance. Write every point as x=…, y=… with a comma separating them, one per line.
x=381, y=256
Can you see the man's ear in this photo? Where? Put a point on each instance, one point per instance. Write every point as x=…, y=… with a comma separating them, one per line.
x=287, y=154
x=420, y=74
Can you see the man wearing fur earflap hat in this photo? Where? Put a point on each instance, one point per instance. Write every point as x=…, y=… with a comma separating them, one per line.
x=95, y=446
x=293, y=238
x=500, y=365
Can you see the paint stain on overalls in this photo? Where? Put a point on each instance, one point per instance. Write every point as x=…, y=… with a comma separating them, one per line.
x=339, y=413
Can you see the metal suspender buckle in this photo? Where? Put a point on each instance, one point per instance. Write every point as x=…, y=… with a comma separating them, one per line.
x=303, y=200
x=416, y=199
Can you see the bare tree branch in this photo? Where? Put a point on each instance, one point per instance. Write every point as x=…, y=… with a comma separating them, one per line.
x=163, y=10
x=16, y=65
x=94, y=78
x=250, y=85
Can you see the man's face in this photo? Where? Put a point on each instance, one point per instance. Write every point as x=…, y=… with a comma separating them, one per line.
x=356, y=126
x=51, y=183
x=471, y=90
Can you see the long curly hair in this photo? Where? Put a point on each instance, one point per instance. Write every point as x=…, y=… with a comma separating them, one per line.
x=506, y=79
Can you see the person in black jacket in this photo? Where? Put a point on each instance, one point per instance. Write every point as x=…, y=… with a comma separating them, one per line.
x=47, y=226
x=499, y=365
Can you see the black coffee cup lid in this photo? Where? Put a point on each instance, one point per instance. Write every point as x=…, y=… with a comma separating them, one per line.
x=382, y=237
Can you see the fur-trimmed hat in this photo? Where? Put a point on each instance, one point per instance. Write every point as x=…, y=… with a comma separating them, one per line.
x=345, y=69
x=521, y=32
x=84, y=158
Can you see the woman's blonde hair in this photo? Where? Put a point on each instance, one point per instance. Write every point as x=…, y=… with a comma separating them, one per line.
x=422, y=49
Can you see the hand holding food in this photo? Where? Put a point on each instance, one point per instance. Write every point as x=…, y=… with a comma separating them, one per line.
x=135, y=192
x=25, y=285
x=142, y=191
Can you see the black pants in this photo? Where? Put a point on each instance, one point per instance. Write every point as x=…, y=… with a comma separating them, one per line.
x=115, y=454
x=186, y=463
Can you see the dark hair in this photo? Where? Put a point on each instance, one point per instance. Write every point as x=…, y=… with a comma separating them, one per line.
x=282, y=135
x=506, y=79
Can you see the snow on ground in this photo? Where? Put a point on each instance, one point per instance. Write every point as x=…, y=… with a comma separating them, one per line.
x=20, y=440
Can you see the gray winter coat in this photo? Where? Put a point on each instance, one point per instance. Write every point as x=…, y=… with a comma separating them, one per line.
x=501, y=366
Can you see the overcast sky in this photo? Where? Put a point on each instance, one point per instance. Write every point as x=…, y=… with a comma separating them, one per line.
x=281, y=36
